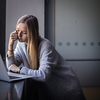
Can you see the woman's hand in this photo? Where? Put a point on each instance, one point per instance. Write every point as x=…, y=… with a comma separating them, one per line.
x=13, y=37
x=14, y=68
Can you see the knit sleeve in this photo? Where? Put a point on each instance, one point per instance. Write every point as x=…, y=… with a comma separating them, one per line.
x=14, y=58
x=47, y=63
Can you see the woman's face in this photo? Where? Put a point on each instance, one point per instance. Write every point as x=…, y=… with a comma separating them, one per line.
x=22, y=32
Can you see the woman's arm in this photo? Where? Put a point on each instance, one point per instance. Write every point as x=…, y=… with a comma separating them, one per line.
x=12, y=39
x=10, y=59
x=14, y=58
x=47, y=63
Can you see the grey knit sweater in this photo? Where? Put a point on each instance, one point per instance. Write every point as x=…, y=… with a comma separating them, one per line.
x=57, y=79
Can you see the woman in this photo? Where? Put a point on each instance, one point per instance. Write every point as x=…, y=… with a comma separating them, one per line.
x=54, y=75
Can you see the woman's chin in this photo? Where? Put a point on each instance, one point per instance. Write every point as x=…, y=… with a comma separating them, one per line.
x=20, y=40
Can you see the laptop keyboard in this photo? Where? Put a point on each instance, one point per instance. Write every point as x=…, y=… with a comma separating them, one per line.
x=13, y=77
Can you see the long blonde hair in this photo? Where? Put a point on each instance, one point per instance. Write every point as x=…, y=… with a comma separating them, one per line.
x=33, y=39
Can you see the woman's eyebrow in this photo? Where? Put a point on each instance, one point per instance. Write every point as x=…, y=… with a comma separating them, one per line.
x=24, y=31
x=18, y=29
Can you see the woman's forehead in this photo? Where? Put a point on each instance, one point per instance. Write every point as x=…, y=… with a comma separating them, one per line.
x=22, y=26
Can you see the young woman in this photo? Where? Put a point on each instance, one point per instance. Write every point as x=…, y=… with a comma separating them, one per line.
x=42, y=61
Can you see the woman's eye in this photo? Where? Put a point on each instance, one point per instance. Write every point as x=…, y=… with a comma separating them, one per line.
x=25, y=33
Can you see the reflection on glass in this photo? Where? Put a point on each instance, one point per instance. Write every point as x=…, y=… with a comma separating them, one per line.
x=15, y=90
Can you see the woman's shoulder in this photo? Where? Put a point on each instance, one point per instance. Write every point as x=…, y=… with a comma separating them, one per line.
x=45, y=43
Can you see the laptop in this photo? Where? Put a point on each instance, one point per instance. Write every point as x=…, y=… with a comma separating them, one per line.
x=10, y=76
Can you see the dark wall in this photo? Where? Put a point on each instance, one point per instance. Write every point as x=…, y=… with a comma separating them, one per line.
x=50, y=20
x=2, y=26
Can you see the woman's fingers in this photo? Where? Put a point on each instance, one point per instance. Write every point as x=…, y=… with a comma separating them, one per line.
x=13, y=36
x=14, y=68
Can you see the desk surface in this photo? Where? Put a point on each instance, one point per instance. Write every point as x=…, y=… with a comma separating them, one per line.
x=19, y=90
x=11, y=91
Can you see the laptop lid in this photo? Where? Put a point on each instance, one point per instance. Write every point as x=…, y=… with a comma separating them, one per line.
x=4, y=75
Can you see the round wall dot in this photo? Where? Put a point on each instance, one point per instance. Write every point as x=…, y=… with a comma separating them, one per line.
x=76, y=43
x=68, y=43
x=60, y=43
x=92, y=43
x=84, y=43
x=99, y=43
